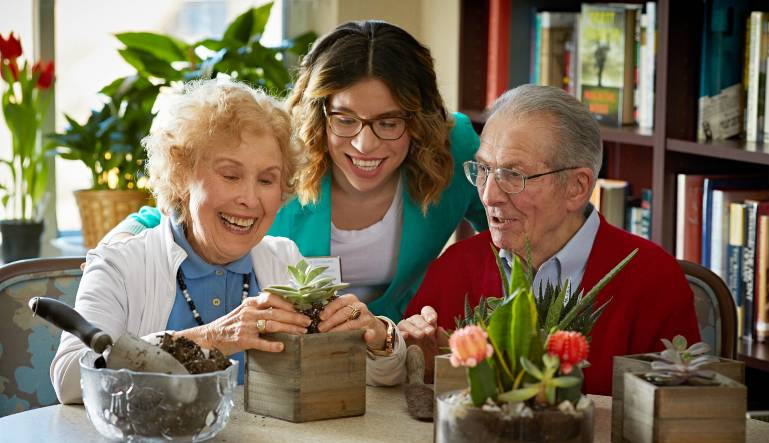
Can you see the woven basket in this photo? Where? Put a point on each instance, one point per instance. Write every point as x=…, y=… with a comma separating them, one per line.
x=100, y=211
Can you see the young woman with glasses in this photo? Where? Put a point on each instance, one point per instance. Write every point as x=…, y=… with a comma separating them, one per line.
x=382, y=186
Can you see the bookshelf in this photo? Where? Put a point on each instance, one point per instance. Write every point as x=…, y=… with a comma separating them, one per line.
x=645, y=158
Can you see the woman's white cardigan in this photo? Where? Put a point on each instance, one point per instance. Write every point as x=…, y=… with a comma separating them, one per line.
x=130, y=286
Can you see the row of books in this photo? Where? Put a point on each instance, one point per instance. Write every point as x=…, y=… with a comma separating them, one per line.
x=611, y=199
x=722, y=222
x=604, y=55
x=734, y=97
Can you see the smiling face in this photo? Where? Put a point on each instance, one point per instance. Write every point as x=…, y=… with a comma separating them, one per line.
x=541, y=210
x=365, y=163
x=234, y=195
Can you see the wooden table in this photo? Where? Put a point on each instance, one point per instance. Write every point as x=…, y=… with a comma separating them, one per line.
x=385, y=420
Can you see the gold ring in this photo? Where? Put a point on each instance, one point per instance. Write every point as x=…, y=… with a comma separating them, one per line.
x=354, y=312
x=261, y=325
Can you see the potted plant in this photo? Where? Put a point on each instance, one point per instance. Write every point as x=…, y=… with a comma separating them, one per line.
x=318, y=375
x=523, y=360
x=732, y=369
x=680, y=400
x=109, y=143
x=25, y=101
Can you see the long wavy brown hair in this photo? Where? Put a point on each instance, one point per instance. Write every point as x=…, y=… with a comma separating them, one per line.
x=352, y=52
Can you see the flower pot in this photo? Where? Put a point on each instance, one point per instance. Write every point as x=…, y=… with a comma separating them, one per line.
x=447, y=377
x=700, y=414
x=457, y=420
x=642, y=363
x=102, y=210
x=315, y=377
x=21, y=239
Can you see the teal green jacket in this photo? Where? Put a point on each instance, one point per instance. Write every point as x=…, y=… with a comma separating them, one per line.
x=423, y=236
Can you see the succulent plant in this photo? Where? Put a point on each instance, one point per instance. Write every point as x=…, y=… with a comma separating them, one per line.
x=678, y=365
x=309, y=290
x=544, y=390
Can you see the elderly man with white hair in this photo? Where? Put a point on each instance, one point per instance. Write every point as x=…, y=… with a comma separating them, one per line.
x=535, y=170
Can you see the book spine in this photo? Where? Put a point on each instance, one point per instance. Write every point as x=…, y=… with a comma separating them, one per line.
x=748, y=267
x=680, y=215
x=717, y=229
x=754, y=75
x=762, y=327
x=735, y=252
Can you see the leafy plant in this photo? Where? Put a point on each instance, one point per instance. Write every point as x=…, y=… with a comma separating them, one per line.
x=109, y=142
x=678, y=365
x=519, y=328
x=309, y=290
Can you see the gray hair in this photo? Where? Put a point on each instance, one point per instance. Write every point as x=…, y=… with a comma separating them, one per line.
x=578, y=137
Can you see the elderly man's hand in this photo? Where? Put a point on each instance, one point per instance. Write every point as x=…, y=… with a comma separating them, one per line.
x=347, y=313
x=422, y=329
x=239, y=330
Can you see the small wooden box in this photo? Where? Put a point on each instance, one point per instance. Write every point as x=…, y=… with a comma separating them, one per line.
x=681, y=414
x=447, y=377
x=317, y=376
x=642, y=363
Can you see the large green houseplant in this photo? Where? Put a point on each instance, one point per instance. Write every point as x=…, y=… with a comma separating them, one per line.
x=26, y=94
x=109, y=142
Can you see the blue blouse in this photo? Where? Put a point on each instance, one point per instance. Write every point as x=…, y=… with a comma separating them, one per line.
x=216, y=290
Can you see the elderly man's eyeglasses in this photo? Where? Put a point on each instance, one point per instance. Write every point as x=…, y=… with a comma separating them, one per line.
x=348, y=126
x=509, y=180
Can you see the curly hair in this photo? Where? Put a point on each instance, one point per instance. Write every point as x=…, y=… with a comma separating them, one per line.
x=197, y=117
x=352, y=52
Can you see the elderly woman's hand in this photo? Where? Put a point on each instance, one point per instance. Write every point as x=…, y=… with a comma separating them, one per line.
x=347, y=313
x=239, y=330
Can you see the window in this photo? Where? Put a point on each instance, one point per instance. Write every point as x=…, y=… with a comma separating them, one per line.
x=87, y=59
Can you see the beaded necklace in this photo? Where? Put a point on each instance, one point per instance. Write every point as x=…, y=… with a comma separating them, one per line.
x=191, y=304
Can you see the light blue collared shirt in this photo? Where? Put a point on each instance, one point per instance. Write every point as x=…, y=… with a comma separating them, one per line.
x=215, y=289
x=569, y=262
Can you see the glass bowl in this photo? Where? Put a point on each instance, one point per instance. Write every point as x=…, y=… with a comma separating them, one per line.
x=151, y=407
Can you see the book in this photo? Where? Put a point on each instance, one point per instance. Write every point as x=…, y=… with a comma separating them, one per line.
x=762, y=261
x=647, y=66
x=555, y=31
x=608, y=197
x=737, y=236
x=757, y=54
x=708, y=186
x=498, y=49
x=753, y=210
x=719, y=239
x=720, y=98
x=606, y=62
x=689, y=217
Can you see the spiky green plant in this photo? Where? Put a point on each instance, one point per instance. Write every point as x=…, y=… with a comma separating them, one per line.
x=678, y=365
x=308, y=290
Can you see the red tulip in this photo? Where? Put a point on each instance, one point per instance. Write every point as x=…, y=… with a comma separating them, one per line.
x=46, y=74
x=11, y=48
x=14, y=70
x=570, y=347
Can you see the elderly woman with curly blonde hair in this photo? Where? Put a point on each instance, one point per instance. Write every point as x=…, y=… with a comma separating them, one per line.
x=383, y=188
x=222, y=161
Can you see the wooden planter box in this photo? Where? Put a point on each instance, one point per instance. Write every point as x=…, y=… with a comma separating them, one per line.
x=447, y=377
x=642, y=363
x=680, y=414
x=317, y=376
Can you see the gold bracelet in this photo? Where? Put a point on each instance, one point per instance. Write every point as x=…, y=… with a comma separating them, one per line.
x=389, y=342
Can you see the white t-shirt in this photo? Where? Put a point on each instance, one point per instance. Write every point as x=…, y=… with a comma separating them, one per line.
x=369, y=256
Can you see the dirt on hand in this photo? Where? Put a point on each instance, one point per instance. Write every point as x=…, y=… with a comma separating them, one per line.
x=189, y=354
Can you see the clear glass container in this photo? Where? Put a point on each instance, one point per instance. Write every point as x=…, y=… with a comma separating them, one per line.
x=457, y=420
x=150, y=407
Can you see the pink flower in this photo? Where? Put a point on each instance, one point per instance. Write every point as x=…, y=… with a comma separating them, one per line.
x=570, y=347
x=469, y=346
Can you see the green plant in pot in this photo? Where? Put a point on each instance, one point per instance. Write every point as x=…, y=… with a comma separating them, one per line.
x=523, y=356
x=109, y=142
x=25, y=100
x=318, y=375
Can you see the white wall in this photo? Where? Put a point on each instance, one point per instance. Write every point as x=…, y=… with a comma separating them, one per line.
x=435, y=23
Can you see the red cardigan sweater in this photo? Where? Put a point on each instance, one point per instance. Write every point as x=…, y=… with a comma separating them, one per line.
x=650, y=296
